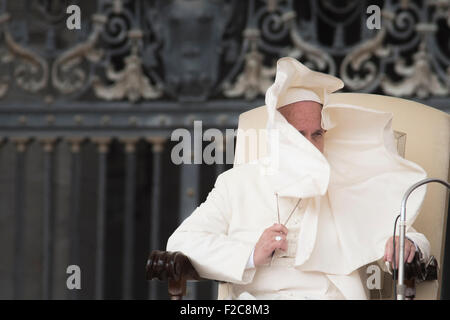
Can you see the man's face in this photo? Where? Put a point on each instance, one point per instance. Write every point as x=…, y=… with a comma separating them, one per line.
x=306, y=117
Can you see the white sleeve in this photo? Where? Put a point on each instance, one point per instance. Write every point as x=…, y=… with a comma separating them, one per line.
x=250, y=262
x=420, y=241
x=203, y=237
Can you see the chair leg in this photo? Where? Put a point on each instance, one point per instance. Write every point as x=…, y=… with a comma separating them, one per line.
x=177, y=289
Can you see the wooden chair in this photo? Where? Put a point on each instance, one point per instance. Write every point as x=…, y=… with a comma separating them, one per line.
x=173, y=267
x=423, y=136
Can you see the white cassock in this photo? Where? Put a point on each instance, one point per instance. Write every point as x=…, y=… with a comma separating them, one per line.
x=350, y=195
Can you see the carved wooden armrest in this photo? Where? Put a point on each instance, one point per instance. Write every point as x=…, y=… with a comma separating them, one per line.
x=417, y=271
x=174, y=267
x=422, y=270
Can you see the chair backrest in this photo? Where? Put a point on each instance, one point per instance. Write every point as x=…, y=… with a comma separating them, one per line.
x=423, y=136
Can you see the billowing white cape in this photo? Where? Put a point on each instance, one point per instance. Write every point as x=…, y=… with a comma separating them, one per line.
x=360, y=169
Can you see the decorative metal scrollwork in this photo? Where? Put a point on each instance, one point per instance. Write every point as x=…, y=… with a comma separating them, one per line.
x=67, y=75
x=359, y=59
x=31, y=70
x=419, y=78
x=129, y=82
x=255, y=79
x=199, y=49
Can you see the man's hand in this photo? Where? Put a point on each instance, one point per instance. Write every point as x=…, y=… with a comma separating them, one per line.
x=410, y=250
x=267, y=244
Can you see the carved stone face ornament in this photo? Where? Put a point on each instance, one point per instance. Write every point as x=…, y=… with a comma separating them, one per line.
x=192, y=32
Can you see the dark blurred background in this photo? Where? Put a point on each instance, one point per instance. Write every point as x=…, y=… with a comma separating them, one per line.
x=86, y=115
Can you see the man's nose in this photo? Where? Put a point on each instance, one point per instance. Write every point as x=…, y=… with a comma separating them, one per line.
x=314, y=143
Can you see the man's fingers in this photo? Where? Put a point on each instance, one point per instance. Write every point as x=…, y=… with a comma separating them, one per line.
x=412, y=252
x=279, y=228
x=267, y=243
x=270, y=236
x=397, y=253
x=388, y=253
x=273, y=236
x=282, y=244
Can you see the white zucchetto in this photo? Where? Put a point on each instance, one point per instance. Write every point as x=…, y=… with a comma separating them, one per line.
x=295, y=94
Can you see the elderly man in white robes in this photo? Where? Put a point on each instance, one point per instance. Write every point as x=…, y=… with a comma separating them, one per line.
x=299, y=223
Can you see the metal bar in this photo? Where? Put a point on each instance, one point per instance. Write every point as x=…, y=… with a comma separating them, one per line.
x=158, y=146
x=130, y=205
x=402, y=224
x=19, y=218
x=75, y=207
x=47, y=247
x=189, y=196
x=220, y=168
x=101, y=212
x=221, y=150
